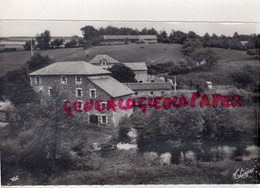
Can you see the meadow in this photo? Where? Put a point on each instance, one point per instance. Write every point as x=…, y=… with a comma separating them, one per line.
x=229, y=62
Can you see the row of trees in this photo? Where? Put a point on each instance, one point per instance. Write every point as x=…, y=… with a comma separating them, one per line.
x=92, y=36
x=43, y=41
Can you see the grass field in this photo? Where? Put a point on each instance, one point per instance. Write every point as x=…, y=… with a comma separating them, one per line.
x=230, y=60
x=126, y=53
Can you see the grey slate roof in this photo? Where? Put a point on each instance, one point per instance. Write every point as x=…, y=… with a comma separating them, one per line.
x=111, y=86
x=122, y=37
x=98, y=58
x=135, y=66
x=70, y=68
x=150, y=86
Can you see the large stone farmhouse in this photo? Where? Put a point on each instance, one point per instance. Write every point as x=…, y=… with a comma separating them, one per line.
x=82, y=81
x=126, y=39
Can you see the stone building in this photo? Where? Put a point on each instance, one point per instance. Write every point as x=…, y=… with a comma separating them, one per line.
x=82, y=81
x=126, y=39
x=151, y=89
x=140, y=70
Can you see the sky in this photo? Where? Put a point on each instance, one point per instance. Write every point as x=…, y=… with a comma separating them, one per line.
x=66, y=17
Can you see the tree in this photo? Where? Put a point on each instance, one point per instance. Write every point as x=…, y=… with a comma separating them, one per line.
x=89, y=32
x=191, y=44
x=206, y=54
x=43, y=40
x=122, y=73
x=152, y=31
x=27, y=45
x=162, y=37
x=38, y=61
x=57, y=43
x=236, y=36
x=75, y=41
x=16, y=87
x=144, y=31
x=206, y=38
x=178, y=37
x=192, y=34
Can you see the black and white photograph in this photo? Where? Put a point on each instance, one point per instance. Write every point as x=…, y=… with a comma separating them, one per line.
x=120, y=92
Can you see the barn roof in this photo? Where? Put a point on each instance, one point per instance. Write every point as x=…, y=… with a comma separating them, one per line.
x=150, y=86
x=135, y=66
x=123, y=37
x=98, y=58
x=111, y=86
x=70, y=68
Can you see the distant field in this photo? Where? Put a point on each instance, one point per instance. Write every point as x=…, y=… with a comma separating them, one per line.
x=230, y=60
x=126, y=53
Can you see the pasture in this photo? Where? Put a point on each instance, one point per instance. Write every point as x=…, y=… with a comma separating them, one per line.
x=230, y=60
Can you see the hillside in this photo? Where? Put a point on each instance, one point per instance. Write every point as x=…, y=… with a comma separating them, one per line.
x=230, y=60
x=126, y=53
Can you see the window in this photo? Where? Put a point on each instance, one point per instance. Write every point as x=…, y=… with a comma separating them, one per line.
x=63, y=80
x=50, y=92
x=93, y=119
x=78, y=92
x=140, y=81
x=78, y=80
x=162, y=92
x=92, y=93
x=136, y=93
x=80, y=105
x=151, y=93
x=152, y=80
x=103, y=62
x=37, y=80
x=103, y=105
x=104, y=119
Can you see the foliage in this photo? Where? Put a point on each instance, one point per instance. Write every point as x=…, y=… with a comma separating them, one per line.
x=124, y=128
x=205, y=54
x=245, y=77
x=43, y=40
x=75, y=41
x=27, y=45
x=190, y=45
x=46, y=140
x=16, y=87
x=38, y=61
x=56, y=43
x=184, y=129
x=178, y=37
x=122, y=73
